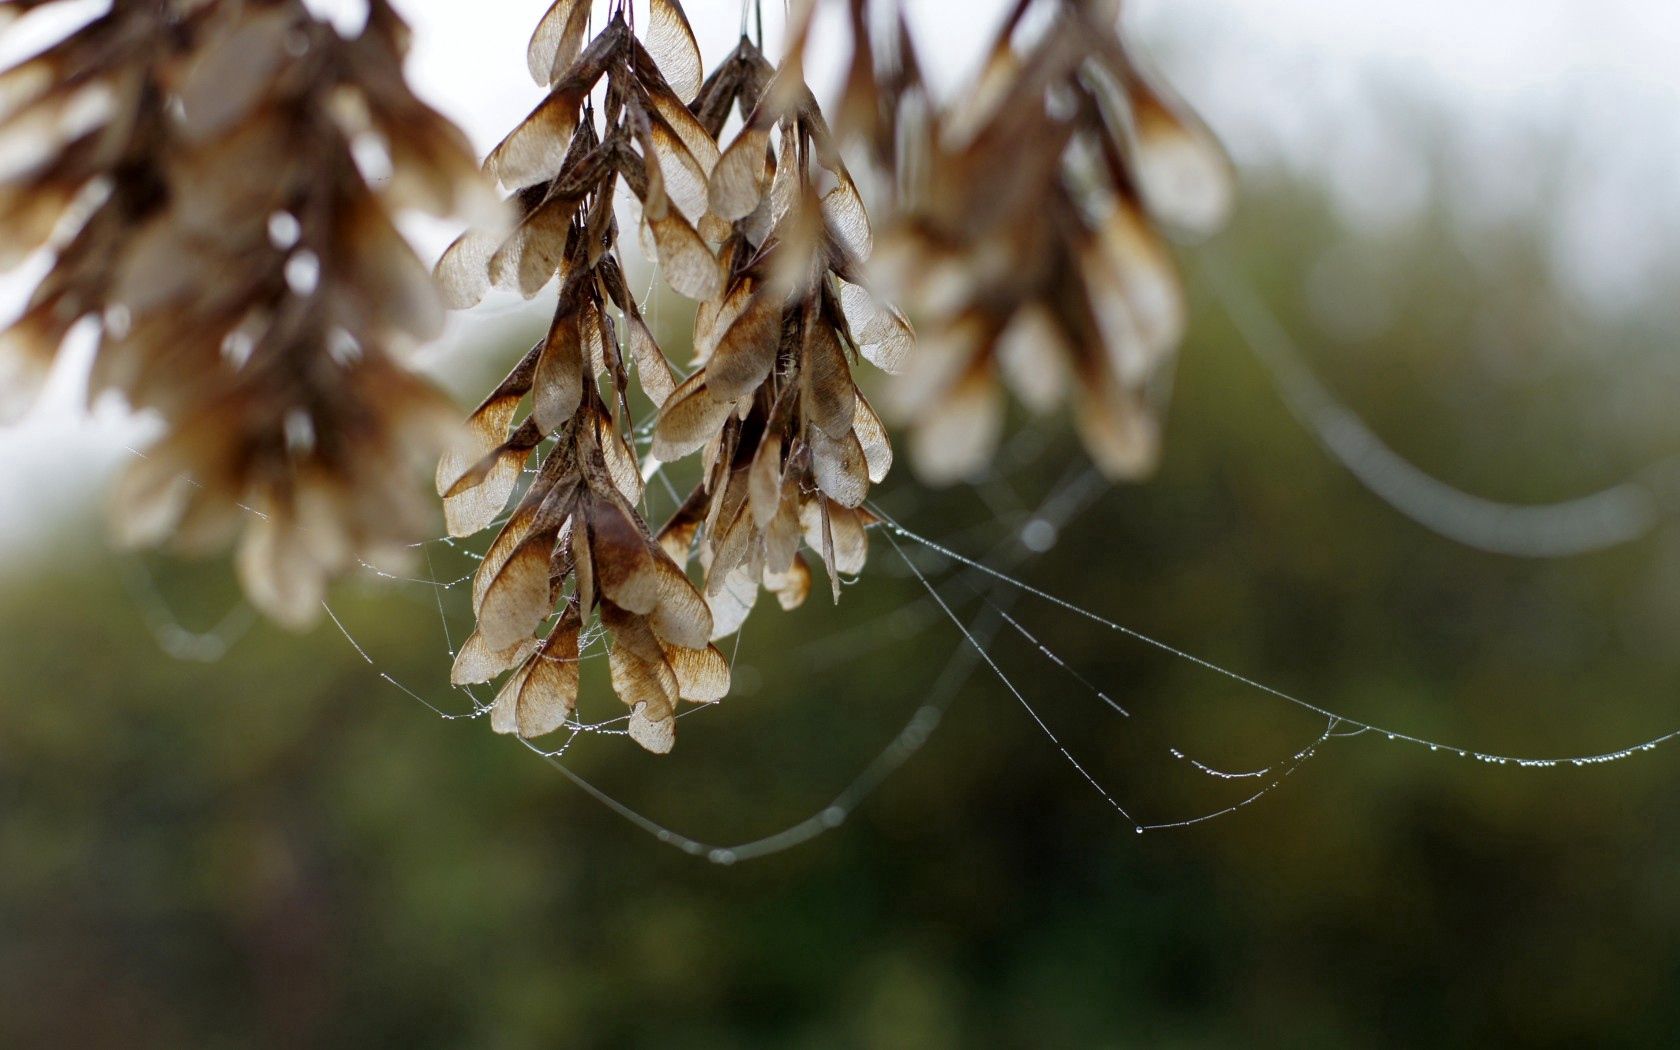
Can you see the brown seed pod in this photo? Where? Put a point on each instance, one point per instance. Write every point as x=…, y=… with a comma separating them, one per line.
x=562, y=167
x=769, y=235
x=791, y=446
x=1030, y=242
x=247, y=280
x=85, y=137
x=575, y=538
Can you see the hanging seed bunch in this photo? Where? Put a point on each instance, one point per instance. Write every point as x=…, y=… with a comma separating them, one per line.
x=247, y=282
x=83, y=145
x=575, y=540
x=790, y=446
x=1032, y=245
x=216, y=181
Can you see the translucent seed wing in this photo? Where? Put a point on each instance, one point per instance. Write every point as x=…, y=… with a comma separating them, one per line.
x=747, y=349
x=553, y=39
x=477, y=662
x=671, y=43
x=517, y=598
x=690, y=418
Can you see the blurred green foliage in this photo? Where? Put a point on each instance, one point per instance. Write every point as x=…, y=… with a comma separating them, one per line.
x=281, y=848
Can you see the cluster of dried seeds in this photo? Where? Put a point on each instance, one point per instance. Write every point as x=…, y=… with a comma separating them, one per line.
x=85, y=142
x=205, y=171
x=1029, y=239
x=199, y=169
x=769, y=236
x=791, y=446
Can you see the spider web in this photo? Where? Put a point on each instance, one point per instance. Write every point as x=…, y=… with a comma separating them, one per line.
x=979, y=599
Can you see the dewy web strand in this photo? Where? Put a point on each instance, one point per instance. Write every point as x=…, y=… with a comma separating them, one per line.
x=1271, y=691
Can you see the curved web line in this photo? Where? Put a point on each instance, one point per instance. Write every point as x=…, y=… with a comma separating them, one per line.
x=172, y=636
x=1278, y=694
x=1620, y=513
x=1288, y=767
x=1114, y=705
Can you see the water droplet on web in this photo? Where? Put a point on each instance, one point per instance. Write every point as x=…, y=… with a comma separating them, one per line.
x=1032, y=537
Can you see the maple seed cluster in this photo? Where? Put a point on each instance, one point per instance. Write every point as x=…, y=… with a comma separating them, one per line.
x=193, y=167
x=769, y=236
x=217, y=183
x=1031, y=244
